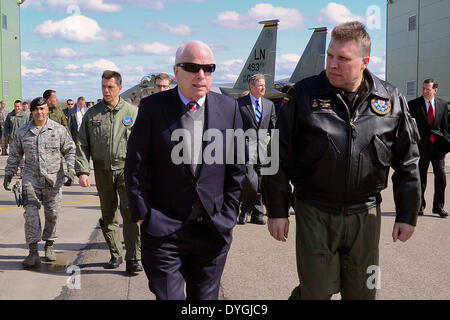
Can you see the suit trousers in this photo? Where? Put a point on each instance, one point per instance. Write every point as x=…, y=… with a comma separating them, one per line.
x=252, y=201
x=428, y=153
x=111, y=187
x=193, y=256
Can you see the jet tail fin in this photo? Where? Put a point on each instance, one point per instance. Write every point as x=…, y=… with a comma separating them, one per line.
x=312, y=61
x=262, y=57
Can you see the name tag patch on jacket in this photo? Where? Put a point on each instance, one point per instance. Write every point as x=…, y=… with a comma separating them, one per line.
x=321, y=103
x=127, y=121
x=380, y=106
x=96, y=123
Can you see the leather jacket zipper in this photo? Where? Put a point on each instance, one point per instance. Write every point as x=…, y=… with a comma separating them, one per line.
x=352, y=136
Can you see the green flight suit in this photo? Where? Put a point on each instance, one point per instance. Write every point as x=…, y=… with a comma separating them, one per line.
x=103, y=136
x=57, y=115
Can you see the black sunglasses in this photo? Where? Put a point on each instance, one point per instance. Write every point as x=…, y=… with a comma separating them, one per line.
x=193, y=67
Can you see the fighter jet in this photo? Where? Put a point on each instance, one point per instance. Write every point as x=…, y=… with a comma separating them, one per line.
x=260, y=60
x=312, y=61
x=143, y=89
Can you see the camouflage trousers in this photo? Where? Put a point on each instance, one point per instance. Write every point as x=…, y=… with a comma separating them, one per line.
x=50, y=198
x=4, y=143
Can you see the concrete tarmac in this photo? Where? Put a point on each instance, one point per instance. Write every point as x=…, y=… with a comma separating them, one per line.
x=258, y=267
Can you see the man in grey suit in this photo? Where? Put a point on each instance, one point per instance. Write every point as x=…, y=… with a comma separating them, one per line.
x=257, y=113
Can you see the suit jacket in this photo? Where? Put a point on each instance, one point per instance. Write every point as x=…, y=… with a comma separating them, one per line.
x=268, y=117
x=268, y=120
x=419, y=112
x=164, y=193
x=72, y=123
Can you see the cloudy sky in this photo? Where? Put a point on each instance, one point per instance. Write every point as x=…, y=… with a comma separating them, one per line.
x=66, y=44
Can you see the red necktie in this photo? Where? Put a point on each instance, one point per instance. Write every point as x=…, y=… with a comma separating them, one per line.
x=431, y=119
x=193, y=105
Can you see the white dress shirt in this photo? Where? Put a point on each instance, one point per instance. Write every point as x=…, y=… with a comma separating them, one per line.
x=80, y=114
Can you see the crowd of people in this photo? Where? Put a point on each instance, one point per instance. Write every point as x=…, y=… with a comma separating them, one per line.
x=340, y=132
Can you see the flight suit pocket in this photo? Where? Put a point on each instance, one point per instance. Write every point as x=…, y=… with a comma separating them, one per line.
x=373, y=167
x=53, y=156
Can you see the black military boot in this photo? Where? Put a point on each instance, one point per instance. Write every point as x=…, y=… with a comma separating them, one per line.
x=133, y=266
x=49, y=253
x=33, y=258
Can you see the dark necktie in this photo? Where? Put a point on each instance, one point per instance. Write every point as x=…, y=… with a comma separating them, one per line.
x=193, y=106
x=431, y=119
x=257, y=111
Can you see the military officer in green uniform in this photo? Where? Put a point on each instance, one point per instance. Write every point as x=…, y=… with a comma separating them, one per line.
x=54, y=112
x=103, y=136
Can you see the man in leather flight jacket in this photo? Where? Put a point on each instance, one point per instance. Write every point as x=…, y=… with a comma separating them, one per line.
x=338, y=139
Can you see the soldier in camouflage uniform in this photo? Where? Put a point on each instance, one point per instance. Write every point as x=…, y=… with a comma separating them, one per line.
x=103, y=136
x=42, y=141
x=14, y=121
x=3, y=136
x=54, y=112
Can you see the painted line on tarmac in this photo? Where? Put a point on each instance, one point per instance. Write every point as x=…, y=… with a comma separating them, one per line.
x=64, y=202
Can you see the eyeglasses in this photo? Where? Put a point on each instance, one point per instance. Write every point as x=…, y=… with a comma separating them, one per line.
x=70, y=104
x=194, y=67
x=161, y=86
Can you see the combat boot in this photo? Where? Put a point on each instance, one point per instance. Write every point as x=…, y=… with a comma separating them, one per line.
x=49, y=253
x=33, y=258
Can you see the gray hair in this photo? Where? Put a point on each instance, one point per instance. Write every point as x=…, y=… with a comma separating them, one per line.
x=253, y=80
x=181, y=49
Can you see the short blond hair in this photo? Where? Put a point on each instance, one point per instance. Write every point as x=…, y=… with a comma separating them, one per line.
x=163, y=76
x=353, y=30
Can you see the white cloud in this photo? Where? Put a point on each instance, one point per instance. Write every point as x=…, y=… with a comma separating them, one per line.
x=377, y=65
x=99, y=66
x=289, y=18
x=152, y=4
x=32, y=71
x=233, y=63
x=133, y=70
x=334, y=14
x=71, y=67
x=63, y=83
x=78, y=6
x=154, y=48
x=180, y=29
x=286, y=65
x=26, y=56
x=76, y=28
x=228, y=71
x=66, y=53
x=55, y=54
x=73, y=6
x=290, y=57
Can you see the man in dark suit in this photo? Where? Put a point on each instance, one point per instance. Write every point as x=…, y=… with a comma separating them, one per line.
x=430, y=113
x=257, y=113
x=187, y=208
x=75, y=117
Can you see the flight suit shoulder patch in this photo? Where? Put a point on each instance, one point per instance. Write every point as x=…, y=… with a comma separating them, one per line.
x=127, y=121
x=380, y=106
